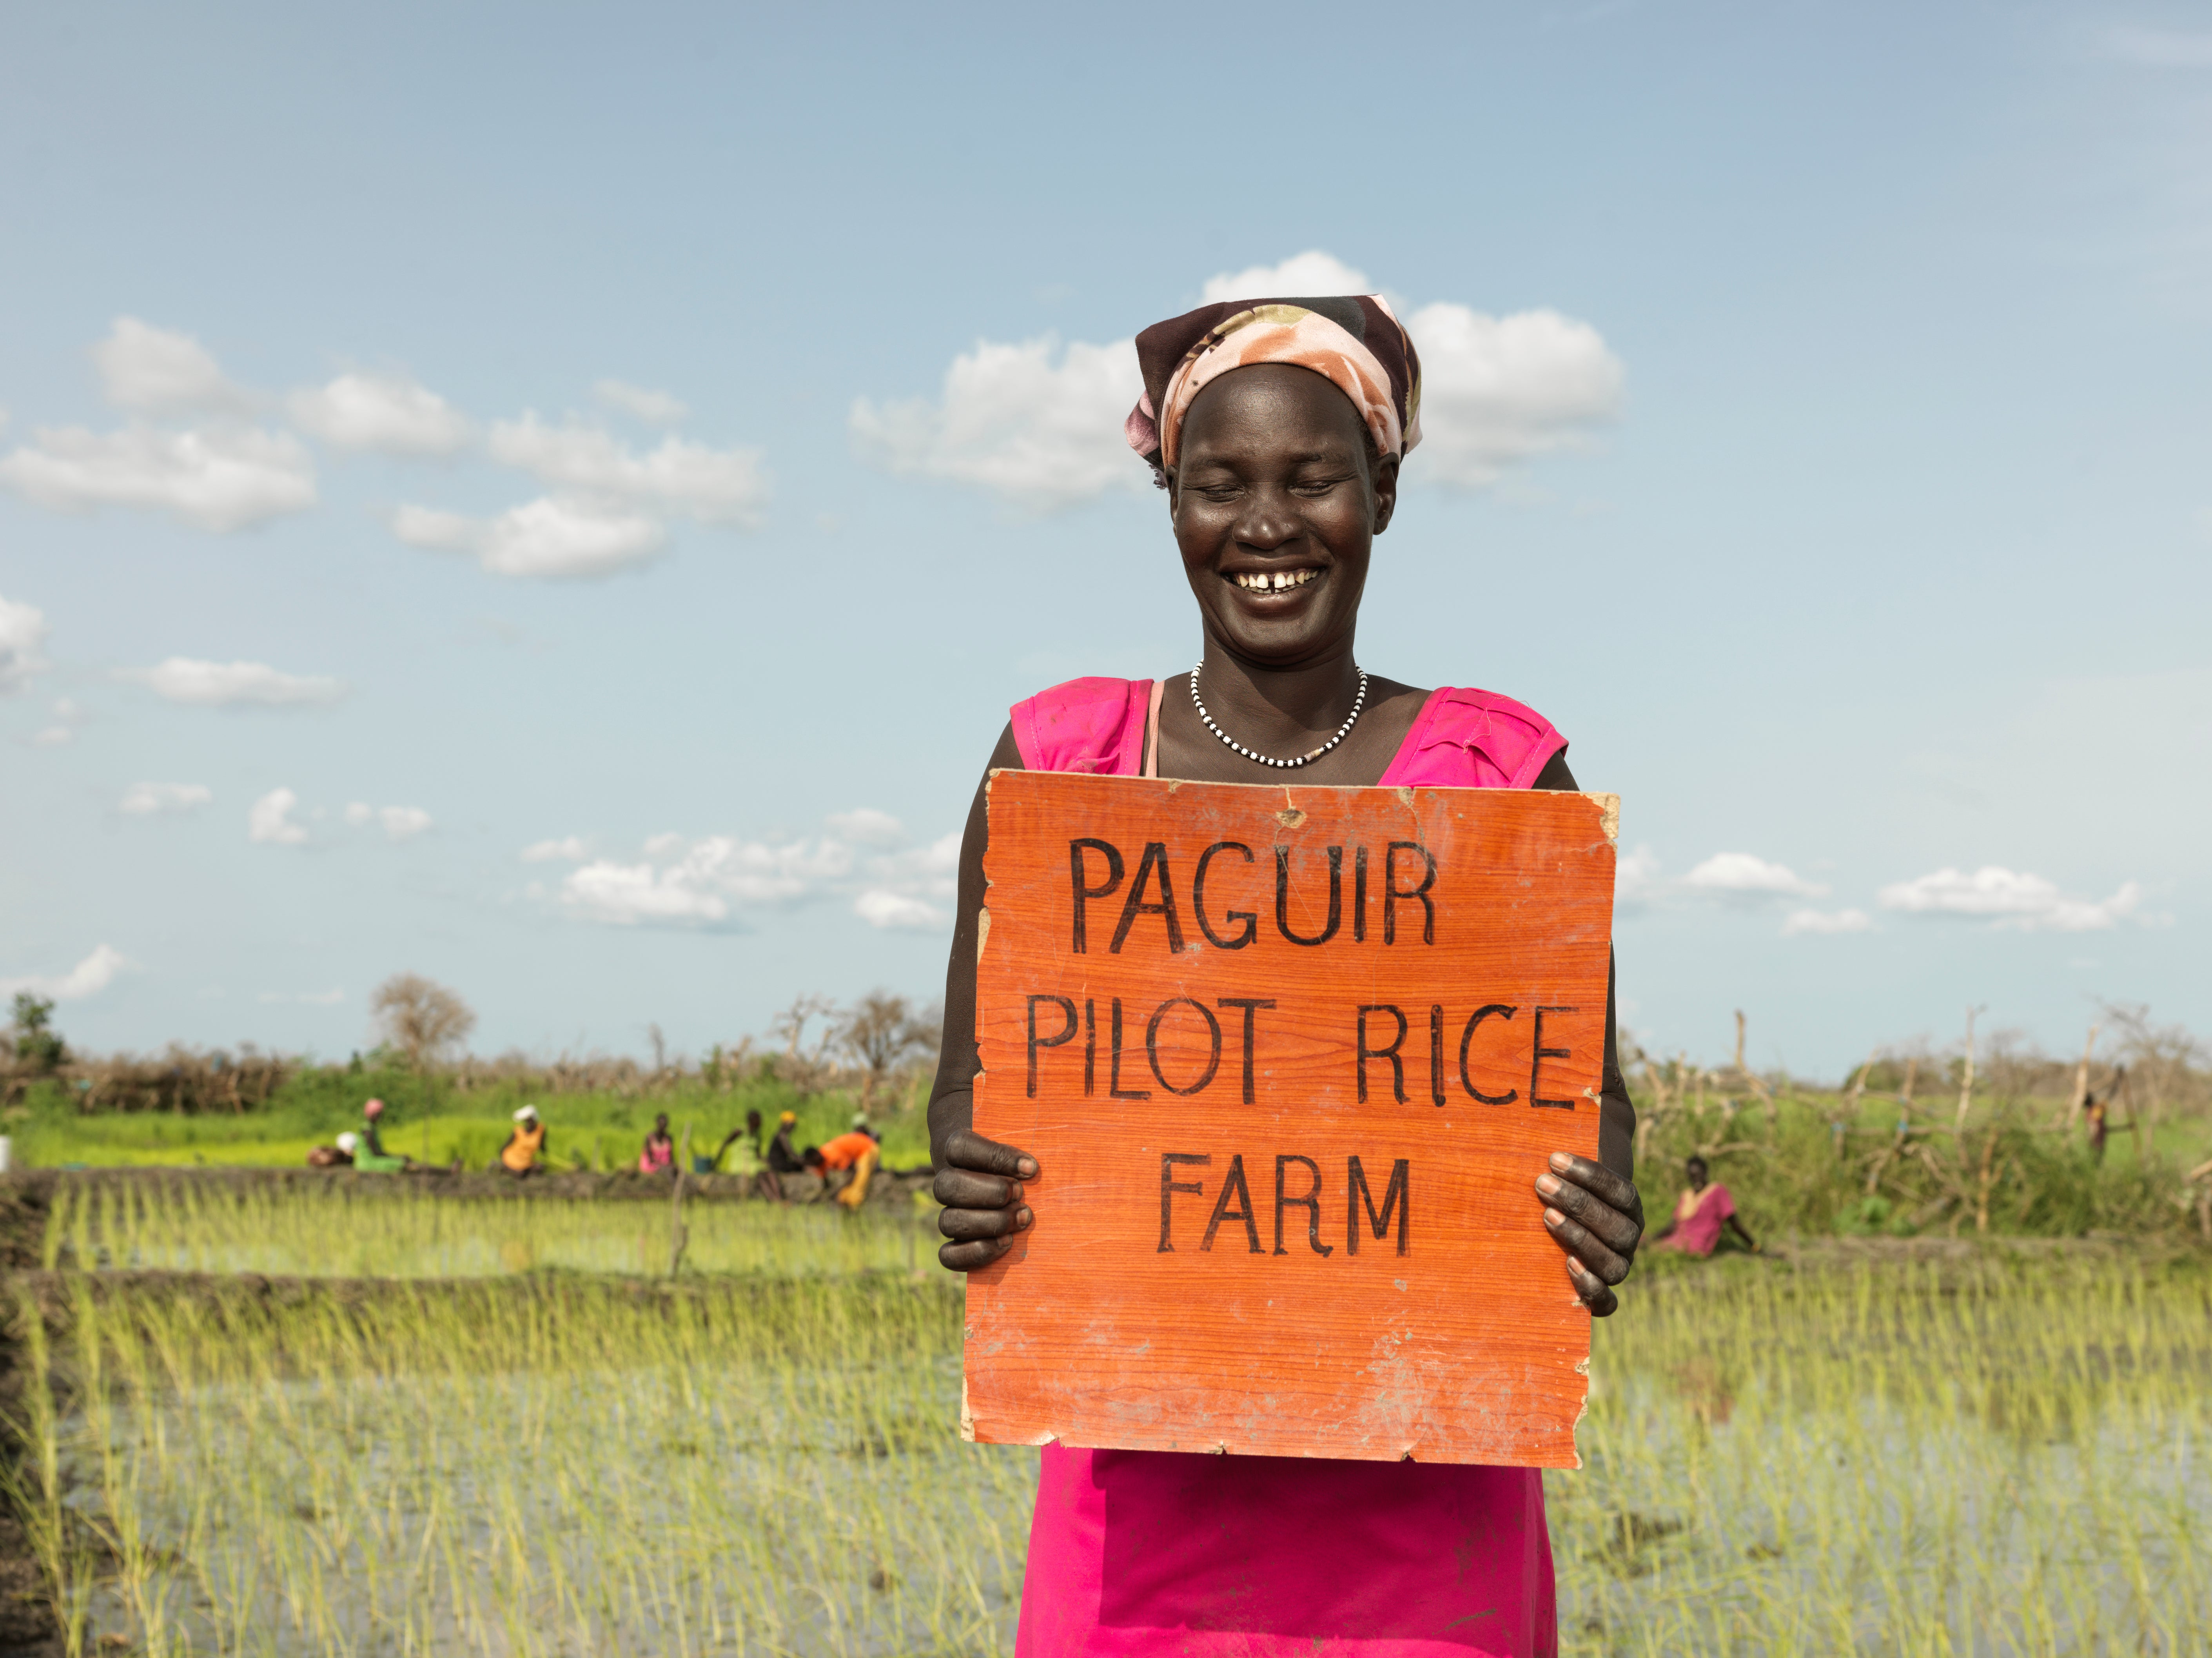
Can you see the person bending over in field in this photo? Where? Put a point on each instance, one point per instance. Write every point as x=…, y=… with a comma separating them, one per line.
x=526, y=1145
x=857, y=1152
x=1699, y=1213
x=658, y=1156
x=1277, y=427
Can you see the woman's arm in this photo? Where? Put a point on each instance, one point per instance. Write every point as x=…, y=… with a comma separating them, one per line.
x=978, y=1180
x=1593, y=1209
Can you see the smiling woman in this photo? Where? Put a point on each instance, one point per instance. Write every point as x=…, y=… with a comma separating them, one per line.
x=1277, y=427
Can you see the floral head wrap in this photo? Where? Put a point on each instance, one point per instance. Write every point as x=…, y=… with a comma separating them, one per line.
x=1356, y=342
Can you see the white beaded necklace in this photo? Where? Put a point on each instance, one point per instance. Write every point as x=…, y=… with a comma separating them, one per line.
x=1357, y=703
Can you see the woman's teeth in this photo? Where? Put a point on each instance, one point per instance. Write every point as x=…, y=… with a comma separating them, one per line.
x=1274, y=581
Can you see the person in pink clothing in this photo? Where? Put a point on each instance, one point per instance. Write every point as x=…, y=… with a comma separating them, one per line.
x=1277, y=429
x=1699, y=1213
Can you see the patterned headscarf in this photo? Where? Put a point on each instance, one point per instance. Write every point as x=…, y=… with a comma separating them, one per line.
x=1356, y=342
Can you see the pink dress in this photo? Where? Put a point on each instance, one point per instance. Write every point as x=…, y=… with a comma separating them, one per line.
x=1699, y=1216
x=1184, y=1555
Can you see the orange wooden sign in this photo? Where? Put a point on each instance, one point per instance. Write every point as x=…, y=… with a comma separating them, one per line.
x=1290, y=1060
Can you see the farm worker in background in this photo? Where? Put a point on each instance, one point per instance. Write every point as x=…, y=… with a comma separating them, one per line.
x=1277, y=427
x=658, y=1156
x=781, y=1159
x=1699, y=1214
x=525, y=1144
x=2095, y=1111
x=857, y=1152
x=740, y=1155
x=369, y=1156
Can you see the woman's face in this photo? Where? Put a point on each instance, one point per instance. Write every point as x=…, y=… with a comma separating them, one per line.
x=1276, y=508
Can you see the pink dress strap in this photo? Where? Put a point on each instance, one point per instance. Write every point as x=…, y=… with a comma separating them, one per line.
x=1094, y=726
x=1154, y=1554
x=1471, y=740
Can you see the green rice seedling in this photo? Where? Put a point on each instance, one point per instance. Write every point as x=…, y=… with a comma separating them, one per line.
x=1990, y=1459
x=1987, y=1457
x=174, y=1226
x=559, y=1465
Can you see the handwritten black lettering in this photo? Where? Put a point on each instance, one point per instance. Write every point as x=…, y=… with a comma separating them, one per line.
x=1541, y=1053
x=1067, y=1010
x=1248, y=1004
x=1234, y=1187
x=1283, y=895
x=1153, y=1043
x=1310, y=1203
x=1083, y=891
x=1155, y=859
x=1250, y=918
x=1466, y=1036
x=1114, y=1088
x=1391, y=896
x=1398, y=1195
x=1170, y=1185
x=1397, y=1065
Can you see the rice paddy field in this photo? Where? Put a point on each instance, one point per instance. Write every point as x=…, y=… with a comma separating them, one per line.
x=527, y=1438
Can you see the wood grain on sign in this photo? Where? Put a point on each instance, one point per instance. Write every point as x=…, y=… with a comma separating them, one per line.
x=1290, y=1060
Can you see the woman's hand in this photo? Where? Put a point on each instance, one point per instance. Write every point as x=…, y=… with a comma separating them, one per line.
x=978, y=1181
x=1597, y=1218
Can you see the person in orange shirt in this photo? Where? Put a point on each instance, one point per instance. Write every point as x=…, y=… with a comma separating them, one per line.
x=525, y=1145
x=857, y=1152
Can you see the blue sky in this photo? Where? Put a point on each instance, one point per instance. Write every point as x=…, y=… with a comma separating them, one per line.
x=559, y=499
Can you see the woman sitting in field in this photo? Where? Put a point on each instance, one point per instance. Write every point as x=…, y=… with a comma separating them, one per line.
x=1699, y=1214
x=1277, y=429
x=658, y=1156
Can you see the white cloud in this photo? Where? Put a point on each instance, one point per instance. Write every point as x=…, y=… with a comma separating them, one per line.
x=1635, y=879
x=87, y=978
x=550, y=538
x=867, y=827
x=568, y=848
x=684, y=881
x=1817, y=920
x=403, y=822
x=234, y=684
x=390, y=414
x=1041, y=427
x=701, y=881
x=53, y=737
x=654, y=408
x=157, y=371
x=400, y=823
x=2009, y=898
x=712, y=486
x=268, y=820
x=23, y=639
x=1032, y=423
x=164, y=800
x=1741, y=875
x=220, y=479
x=901, y=886
x=1312, y=274
x=891, y=909
x=1496, y=391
